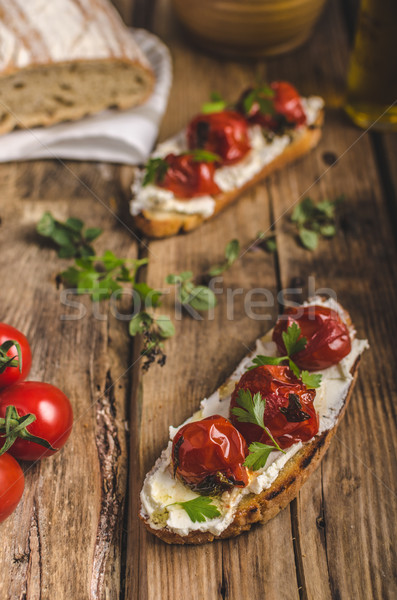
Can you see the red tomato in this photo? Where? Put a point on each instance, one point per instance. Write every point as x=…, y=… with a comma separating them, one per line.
x=12, y=375
x=286, y=105
x=12, y=483
x=208, y=455
x=54, y=417
x=276, y=384
x=187, y=177
x=224, y=133
x=328, y=339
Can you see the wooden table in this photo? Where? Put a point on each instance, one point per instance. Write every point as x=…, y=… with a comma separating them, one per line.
x=76, y=535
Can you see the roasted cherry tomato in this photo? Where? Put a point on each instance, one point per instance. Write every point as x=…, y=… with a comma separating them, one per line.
x=54, y=417
x=208, y=455
x=223, y=133
x=187, y=177
x=12, y=483
x=328, y=339
x=286, y=104
x=289, y=412
x=12, y=375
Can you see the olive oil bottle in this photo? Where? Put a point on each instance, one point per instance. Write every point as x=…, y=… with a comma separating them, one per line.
x=372, y=81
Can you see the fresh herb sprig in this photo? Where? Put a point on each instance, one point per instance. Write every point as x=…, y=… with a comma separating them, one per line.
x=199, y=509
x=72, y=239
x=262, y=96
x=155, y=171
x=216, y=104
x=199, y=297
x=294, y=343
x=251, y=410
x=315, y=219
x=232, y=252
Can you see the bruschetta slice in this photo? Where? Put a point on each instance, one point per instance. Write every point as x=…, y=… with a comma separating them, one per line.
x=223, y=151
x=244, y=455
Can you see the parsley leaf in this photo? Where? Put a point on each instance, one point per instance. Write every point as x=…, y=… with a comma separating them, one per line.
x=217, y=104
x=291, y=340
x=200, y=509
x=250, y=409
x=258, y=455
x=156, y=168
x=199, y=155
x=293, y=344
x=311, y=380
x=70, y=237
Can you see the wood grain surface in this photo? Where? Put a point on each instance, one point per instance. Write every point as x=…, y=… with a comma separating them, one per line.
x=76, y=534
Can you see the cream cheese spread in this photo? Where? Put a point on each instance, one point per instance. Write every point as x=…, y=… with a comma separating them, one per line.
x=161, y=489
x=263, y=151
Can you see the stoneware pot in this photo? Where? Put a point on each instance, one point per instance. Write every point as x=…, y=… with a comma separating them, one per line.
x=248, y=28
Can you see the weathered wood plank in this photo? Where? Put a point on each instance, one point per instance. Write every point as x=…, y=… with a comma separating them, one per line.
x=346, y=538
x=64, y=540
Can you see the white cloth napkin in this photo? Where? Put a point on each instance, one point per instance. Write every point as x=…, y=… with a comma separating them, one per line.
x=124, y=136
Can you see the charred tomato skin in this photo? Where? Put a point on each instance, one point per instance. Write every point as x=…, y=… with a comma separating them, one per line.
x=328, y=339
x=188, y=178
x=208, y=455
x=224, y=133
x=276, y=384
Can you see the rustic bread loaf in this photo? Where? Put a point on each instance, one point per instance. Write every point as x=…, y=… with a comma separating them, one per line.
x=64, y=59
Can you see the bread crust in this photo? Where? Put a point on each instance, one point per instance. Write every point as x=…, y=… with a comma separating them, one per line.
x=255, y=508
x=157, y=224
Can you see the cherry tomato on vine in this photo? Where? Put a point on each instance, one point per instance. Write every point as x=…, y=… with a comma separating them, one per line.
x=289, y=412
x=223, y=133
x=187, y=177
x=12, y=483
x=328, y=339
x=53, y=423
x=208, y=455
x=13, y=374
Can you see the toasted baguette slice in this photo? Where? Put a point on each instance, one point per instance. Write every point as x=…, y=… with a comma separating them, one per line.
x=160, y=224
x=262, y=507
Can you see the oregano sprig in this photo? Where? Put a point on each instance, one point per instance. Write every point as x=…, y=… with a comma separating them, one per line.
x=72, y=239
x=232, y=252
x=199, y=297
x=314, y=220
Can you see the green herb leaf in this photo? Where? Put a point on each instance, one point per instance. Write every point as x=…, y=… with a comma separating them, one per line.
x=292, y=340
x=250, y=409
x=148, y=294
x=156, y=168
x=201, y=298
x=258, y=455
x=328, y=230
x=311, y=380
x=308, y=238
x=200, y=509
x=165, y=326
x=261, y=360
x=68, y=236
x=204, y=156
x=91, y=233
x=217, y=104
x=232, y=252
